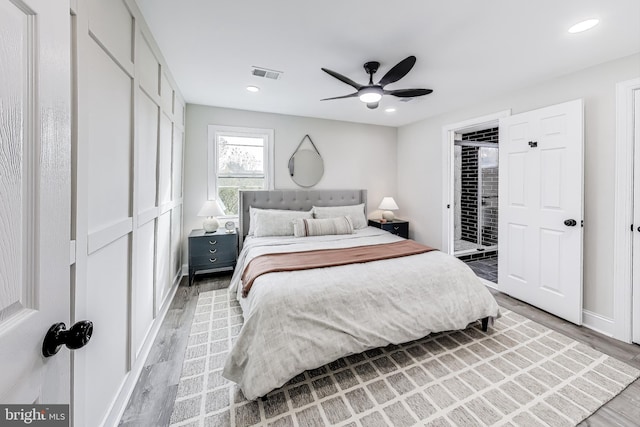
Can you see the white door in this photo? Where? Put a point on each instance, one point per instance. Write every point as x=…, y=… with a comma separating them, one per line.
x=636, y=214
x=540, y=205
x=35, y=197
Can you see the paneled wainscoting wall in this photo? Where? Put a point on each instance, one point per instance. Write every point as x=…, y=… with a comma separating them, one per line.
x=128, y=138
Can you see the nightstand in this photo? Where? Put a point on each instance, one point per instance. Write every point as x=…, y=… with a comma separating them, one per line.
x=397, y=226
x=216, y=251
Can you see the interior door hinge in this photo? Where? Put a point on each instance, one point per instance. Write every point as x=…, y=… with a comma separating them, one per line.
x=631, y=227
x=582, y=223
x=449, y=207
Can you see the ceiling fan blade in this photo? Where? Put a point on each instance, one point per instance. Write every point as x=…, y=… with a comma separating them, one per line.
x=342, y=78
x=351, y=95
x=372, y=105
x=399, y=71
x=408, y=93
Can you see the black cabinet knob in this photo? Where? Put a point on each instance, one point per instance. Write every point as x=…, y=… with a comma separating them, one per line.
x=570, y=222
x=76, y=337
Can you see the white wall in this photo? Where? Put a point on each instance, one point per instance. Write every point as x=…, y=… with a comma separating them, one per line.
x=420, y=170
x=127, y=201
x=355, y=155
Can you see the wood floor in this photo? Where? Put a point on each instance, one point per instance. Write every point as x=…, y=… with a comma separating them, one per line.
x=152, y=400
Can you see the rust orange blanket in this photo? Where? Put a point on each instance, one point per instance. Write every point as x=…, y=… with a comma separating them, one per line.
x=292, y=261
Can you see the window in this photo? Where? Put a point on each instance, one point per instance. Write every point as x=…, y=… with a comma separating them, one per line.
x=239, y=159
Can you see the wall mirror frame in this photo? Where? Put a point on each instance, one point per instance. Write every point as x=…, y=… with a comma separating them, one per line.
x=306, y=166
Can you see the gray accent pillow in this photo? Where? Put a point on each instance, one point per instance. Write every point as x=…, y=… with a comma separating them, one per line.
x=252, y=216
x=276, y=222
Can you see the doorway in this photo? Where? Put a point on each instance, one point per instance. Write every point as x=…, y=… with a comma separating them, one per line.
x=478, y=138
x=475, y=224
x=476, y=192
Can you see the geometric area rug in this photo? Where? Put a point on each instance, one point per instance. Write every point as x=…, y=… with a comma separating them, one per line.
x=519, y=373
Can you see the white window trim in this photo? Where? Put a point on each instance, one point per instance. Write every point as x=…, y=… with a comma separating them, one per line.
x=212, y=161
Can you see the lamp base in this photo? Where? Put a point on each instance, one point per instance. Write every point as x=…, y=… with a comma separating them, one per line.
x=388, y=215
x=210, y=224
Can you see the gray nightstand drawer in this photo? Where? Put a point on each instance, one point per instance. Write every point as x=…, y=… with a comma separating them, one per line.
x=211, y=251
x=397, y=227
x=216, y=258
x=202, y=245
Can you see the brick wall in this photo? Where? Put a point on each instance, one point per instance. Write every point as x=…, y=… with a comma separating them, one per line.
x=469, y=197
x=469, y=194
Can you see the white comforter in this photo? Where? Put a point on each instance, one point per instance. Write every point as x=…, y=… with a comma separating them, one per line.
x=300, y=320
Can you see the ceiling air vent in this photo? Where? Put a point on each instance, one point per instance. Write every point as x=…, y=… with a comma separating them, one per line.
x=266, y=73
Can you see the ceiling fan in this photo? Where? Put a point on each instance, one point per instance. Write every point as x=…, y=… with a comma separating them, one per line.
x=372, y=93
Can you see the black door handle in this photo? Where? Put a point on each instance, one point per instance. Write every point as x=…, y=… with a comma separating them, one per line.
x=76, y=337
x=570, y=222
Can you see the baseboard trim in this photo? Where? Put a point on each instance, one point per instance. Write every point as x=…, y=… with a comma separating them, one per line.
x=597, y=322
x=128, y=385
x=185, y=269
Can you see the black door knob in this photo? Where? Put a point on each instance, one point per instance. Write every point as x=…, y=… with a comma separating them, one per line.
x=570, y=222
x=76, y=337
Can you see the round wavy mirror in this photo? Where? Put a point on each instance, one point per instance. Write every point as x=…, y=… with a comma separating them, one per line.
x=306, y=168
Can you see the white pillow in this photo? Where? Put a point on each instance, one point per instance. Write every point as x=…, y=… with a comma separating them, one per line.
x=356, y=212
x=252, y=216
x=278, y=223
x=322, y=227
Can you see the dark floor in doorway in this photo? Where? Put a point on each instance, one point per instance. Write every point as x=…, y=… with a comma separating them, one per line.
x=487, y=268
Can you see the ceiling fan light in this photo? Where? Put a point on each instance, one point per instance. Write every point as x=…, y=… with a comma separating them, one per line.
x=370, y=95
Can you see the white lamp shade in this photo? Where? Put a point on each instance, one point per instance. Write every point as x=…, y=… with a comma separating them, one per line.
x=388, y=205
x=211, y=209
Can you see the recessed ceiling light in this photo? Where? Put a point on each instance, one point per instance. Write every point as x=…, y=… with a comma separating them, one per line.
x=390, y=110
x=584, y=26
x=253, y=88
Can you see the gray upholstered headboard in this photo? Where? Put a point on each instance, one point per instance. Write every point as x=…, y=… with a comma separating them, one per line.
x=301, y=200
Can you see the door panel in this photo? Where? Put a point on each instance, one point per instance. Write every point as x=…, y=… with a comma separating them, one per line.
x=35, y=192
x=541, y=158
x=551, y=253
x=551, y=182
x=517, y=171
x=15, y=292
x=516, y=258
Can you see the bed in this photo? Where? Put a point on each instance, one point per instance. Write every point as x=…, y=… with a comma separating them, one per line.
x=300, y=320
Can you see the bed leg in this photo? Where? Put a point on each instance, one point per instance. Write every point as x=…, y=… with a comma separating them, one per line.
x=485, y=324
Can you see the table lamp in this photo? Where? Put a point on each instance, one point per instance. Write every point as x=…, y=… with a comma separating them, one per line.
x=388, y=205
x=211, y=209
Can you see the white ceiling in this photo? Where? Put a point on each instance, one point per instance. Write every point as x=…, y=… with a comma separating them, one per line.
x=467, y=50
